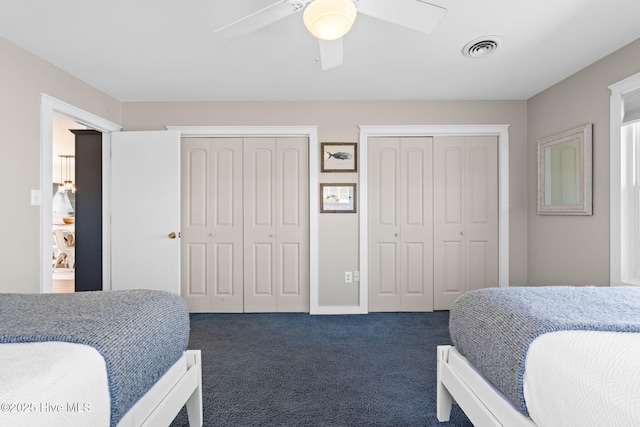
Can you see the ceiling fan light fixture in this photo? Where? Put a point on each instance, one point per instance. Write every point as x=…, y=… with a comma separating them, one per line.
x=329, y=19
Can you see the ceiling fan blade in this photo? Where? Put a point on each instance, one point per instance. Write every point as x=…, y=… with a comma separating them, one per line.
x=415, y=14
x=331, y=53
x=259, y=19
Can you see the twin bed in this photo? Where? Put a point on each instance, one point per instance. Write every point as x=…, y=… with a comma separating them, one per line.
x=97, y=358
x=548, y=356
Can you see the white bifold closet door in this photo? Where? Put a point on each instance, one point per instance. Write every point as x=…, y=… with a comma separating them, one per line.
x=212, y=251
x=400, y=224
x=276, y=225
x=433, y=220
x=245, y=224
x=465, y=216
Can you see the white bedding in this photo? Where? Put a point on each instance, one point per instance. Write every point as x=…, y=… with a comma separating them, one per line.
x=53, y=384
x=583, y=378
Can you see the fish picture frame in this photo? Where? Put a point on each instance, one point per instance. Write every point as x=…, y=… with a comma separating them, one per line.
x=339, y=157
x=338, y=198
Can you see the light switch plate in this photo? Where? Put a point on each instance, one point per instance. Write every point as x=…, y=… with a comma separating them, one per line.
x=35, y=197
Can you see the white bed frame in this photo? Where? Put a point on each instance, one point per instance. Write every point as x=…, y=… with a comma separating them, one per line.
x=181, y=385
x=459, y=381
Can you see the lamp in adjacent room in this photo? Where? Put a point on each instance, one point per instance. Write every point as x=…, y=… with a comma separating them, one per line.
x=329, y=19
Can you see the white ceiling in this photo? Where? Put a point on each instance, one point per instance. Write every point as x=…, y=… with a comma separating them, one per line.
x=166, y=50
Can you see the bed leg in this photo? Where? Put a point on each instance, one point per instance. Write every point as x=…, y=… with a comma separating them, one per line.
x=194, y=404
x=444, y=400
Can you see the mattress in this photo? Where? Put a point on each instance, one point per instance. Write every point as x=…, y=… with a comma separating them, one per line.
x=494, y=328
x=53, y=384
x=583, y=378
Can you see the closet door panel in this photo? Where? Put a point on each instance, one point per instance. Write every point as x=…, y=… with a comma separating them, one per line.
x=195, y=269
x=482, y=212
x=225, y=285
x=400, y=224
x=416, y=224
x=466, y=216
x=384, y=226
x=276, y=224
x=387, y=271
x=259, y=225
x=414, y=271
x=452, y=275
x=227, y=224
x=292, y=233
x=195, y=246
x=195, y=277
x=262, y=271
x=449, y=220
x=212, y=224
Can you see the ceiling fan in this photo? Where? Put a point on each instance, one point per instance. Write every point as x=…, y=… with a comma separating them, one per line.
x=330, y=20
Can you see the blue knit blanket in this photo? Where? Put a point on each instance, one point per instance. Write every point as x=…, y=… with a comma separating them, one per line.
x=140, y=333
x=493, y=328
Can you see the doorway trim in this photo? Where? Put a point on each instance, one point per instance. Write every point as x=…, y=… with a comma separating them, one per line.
x=501, y=131
x=310, y=132
x=620, y=167
x=50, y=106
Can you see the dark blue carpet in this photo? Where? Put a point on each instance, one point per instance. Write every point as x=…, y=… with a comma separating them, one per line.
x=300, y=370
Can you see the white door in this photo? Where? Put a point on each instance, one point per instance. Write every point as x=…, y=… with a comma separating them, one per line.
x=212, y=272
x=400, y=224
x=145, y=210
x=276, y=225
x=245, y=243
x=465, y=216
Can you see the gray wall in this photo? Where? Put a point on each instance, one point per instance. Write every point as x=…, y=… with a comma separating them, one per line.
x=338, y=122
x=574, y=250
x=23, y=77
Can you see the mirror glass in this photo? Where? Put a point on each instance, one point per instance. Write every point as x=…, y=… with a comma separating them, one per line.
x=564, y=173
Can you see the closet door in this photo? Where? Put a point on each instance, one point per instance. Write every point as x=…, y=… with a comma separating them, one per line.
x=292, y=232
x=276, y=229
x=212, y=229
x=465, y=216
x=400, y=224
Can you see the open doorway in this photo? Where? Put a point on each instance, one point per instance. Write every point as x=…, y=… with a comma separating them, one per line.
x=63, y=229
x=76, y=207
x=50, y=108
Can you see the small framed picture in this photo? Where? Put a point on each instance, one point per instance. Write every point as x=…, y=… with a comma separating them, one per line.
x=337, y=198
x=339, y=157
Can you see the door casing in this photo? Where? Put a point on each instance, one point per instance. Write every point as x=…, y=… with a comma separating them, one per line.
x=50, y=106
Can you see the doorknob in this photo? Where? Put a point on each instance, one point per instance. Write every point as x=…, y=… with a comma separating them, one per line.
x=172, y=235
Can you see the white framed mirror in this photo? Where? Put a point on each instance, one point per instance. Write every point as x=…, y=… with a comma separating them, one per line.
x=565, y=173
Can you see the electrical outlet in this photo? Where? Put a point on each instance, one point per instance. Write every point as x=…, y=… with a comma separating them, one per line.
x=356, y=276
x=348, y=277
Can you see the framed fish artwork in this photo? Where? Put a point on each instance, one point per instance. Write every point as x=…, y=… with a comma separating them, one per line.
x=338, y=198
x=339, y=157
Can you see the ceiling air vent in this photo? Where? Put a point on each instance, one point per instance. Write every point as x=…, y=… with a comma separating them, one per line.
x=481, y=47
